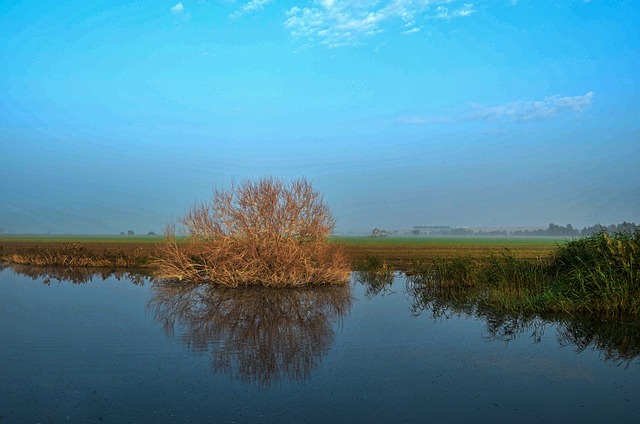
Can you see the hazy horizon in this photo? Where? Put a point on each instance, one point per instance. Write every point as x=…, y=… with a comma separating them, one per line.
x=118, y=115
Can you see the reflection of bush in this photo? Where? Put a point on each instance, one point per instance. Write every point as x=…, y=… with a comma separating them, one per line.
x=76, y=275
x=256, y=333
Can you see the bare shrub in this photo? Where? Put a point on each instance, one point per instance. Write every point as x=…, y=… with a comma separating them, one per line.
x=262, y=232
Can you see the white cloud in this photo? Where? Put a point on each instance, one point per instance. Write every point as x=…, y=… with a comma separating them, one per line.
x=412, y=30
x=336, y=23
x=177, y=9
x=443, y=12
x=531, y=110
x=250, y=6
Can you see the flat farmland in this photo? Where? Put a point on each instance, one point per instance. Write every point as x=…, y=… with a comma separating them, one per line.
x=11, y=243
x=398, y=252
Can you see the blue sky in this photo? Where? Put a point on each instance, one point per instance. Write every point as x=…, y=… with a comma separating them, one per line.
x=118, y=115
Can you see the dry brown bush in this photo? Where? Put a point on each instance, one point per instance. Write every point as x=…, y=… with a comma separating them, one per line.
x=262, y=232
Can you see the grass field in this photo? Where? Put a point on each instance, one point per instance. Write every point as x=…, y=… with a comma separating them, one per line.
x=398, y=252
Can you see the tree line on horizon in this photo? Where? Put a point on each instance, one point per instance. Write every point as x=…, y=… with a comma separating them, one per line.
x=569, y=231
x=552, y=230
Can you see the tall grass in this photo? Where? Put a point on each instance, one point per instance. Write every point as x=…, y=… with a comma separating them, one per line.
x=500, y=281
x=78, y=255
x=596, y=275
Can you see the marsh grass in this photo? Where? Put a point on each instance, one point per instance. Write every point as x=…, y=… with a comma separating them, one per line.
x=597, y=275
x=500, y=281
x=78, y=255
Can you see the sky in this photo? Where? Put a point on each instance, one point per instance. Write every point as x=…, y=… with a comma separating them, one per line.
x=119, y=115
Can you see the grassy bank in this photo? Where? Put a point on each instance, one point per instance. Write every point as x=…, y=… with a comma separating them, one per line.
x=80, y=251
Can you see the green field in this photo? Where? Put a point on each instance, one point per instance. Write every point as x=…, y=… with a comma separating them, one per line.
x=398, y=252
x=82, y=238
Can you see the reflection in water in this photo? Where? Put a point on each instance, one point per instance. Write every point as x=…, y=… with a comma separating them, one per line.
x=77, y=275
x=374, y=282
x=617, y=341
x=254, y=333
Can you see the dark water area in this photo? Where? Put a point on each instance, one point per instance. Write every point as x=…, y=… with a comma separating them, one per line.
x=120, y=348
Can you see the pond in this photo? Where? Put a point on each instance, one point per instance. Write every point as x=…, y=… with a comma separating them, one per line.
x=122, y=348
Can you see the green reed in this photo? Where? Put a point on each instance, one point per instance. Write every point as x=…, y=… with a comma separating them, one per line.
x=77, y=255
x=595, y=275
x=598, y=274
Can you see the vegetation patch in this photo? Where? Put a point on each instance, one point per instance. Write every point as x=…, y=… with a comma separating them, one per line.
x=263, y=232
x=76, y=255
x=596, y=275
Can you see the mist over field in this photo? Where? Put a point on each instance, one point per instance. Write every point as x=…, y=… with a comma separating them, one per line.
x=117, y=116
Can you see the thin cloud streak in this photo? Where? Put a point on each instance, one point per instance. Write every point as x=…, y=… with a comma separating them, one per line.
x=422, y=120
x=517, y=111
x=531, y=110
x=443, y=12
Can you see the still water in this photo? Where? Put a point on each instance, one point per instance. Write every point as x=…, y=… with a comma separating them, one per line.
x=121, y=348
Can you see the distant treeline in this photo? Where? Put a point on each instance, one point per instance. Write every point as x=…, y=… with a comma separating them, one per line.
x=552, y=230
x=559, y=230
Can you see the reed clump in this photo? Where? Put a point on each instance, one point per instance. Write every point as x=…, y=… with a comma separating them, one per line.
x=77, y=255
x=263, y=232
x=596, y=275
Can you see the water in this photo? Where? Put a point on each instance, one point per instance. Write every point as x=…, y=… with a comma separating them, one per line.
x=124, y=350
